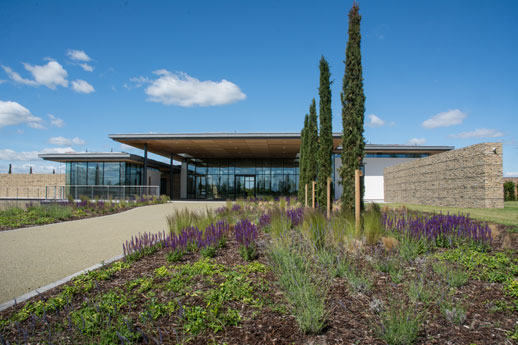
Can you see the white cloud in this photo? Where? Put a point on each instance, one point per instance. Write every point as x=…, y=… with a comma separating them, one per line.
x=375, y=121
x=2, y=80
x=56, y=121
x=186, y=91
x=445, y=119
x=511, y=174
x=13, y=113
x=17, y=78
x=11, y=155
x=61, y=141
x=78, y=55
x=86, y=67
x=51, y=75
x=478, y=133
x=138, y=82
x=82, y=86
x=417, y=141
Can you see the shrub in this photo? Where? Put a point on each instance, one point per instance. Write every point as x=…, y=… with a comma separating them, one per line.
x=509, y=194
x=305, y=292
x=400, y=324
x=181, y=219
x=372, y=225
x=454, y=276
x=315, y=228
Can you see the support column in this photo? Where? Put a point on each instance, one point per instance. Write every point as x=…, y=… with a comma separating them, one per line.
x=171, y=178
x=144, y=175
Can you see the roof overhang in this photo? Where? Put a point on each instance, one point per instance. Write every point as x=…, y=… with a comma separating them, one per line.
x=217, y=145
x=242, y=145
x=101, y=157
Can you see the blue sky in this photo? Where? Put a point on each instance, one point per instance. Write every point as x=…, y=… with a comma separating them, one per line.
x=72, y=72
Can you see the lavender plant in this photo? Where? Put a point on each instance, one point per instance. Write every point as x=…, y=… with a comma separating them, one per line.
x=246, y=235
x=446, y=231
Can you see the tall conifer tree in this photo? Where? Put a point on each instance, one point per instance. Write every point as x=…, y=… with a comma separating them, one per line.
x=302, y=161
x=325, y=140
x=311, y=148
x=353, y=109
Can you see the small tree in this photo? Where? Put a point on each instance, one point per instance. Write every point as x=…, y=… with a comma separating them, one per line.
x=30, y=170
x=302, y=160
x=509, y=194
x=311, y=148
x=353, y=109
x=325, y=140
x=10, y=168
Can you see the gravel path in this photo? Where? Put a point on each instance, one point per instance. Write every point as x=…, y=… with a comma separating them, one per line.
x=37, y=256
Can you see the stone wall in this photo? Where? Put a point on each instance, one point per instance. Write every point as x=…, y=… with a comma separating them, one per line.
x=29, y=185
x=467, y=177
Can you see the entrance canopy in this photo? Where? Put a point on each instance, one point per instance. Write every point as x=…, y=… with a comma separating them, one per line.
x=218, y=145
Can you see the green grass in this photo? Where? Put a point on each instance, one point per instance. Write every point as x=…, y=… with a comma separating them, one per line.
x=507, y=215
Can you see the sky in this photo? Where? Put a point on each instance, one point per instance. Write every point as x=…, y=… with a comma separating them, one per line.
x=73, y=72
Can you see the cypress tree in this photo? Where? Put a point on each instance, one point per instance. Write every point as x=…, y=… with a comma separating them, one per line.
x=311, y=149
x=353, y=109
x=10, y=168
x=325, y=141
x=302, y=161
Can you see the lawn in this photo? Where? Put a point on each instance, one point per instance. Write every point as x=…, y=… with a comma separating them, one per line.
x=507, y=215
x=274, y=273
x=14, y=217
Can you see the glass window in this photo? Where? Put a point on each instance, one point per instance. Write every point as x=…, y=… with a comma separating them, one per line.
x=201, y=169
x=122, y=173
x=224, y=169
x=277, y=184
x=112, y=174
x=95, y=173
x=244, y=167
x=81, y=173
x=67, y=173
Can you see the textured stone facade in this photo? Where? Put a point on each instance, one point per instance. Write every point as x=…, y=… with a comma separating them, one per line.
x=29, y=185
x=467, y=177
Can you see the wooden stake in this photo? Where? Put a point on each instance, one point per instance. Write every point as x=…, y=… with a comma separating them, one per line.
x=306, y=195
x=328, y=197
x=313, y=193
x=357, y=193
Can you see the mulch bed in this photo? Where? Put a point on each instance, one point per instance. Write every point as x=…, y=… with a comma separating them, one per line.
x=351, y=319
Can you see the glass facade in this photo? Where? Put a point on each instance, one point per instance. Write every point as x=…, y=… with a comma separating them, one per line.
x=235, y=178
x=104, y=173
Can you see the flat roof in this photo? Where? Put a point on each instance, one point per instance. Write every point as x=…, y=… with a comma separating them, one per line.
x=102, y=157
x=242, y=145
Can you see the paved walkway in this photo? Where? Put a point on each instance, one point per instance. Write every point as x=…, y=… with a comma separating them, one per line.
x=37, y=256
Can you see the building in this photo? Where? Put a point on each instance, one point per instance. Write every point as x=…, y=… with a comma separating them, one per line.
x=223, y=165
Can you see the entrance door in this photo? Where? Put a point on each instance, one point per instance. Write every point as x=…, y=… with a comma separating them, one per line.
x=201, y=187
x=245, y=186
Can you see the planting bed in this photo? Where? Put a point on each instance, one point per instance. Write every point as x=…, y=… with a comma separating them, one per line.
x=263, y=273
x=55, y=212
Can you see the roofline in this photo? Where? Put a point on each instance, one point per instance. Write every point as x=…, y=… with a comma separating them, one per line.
x=377, y=147
x=261, y=135
x=216, y=135
x=100, y=156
